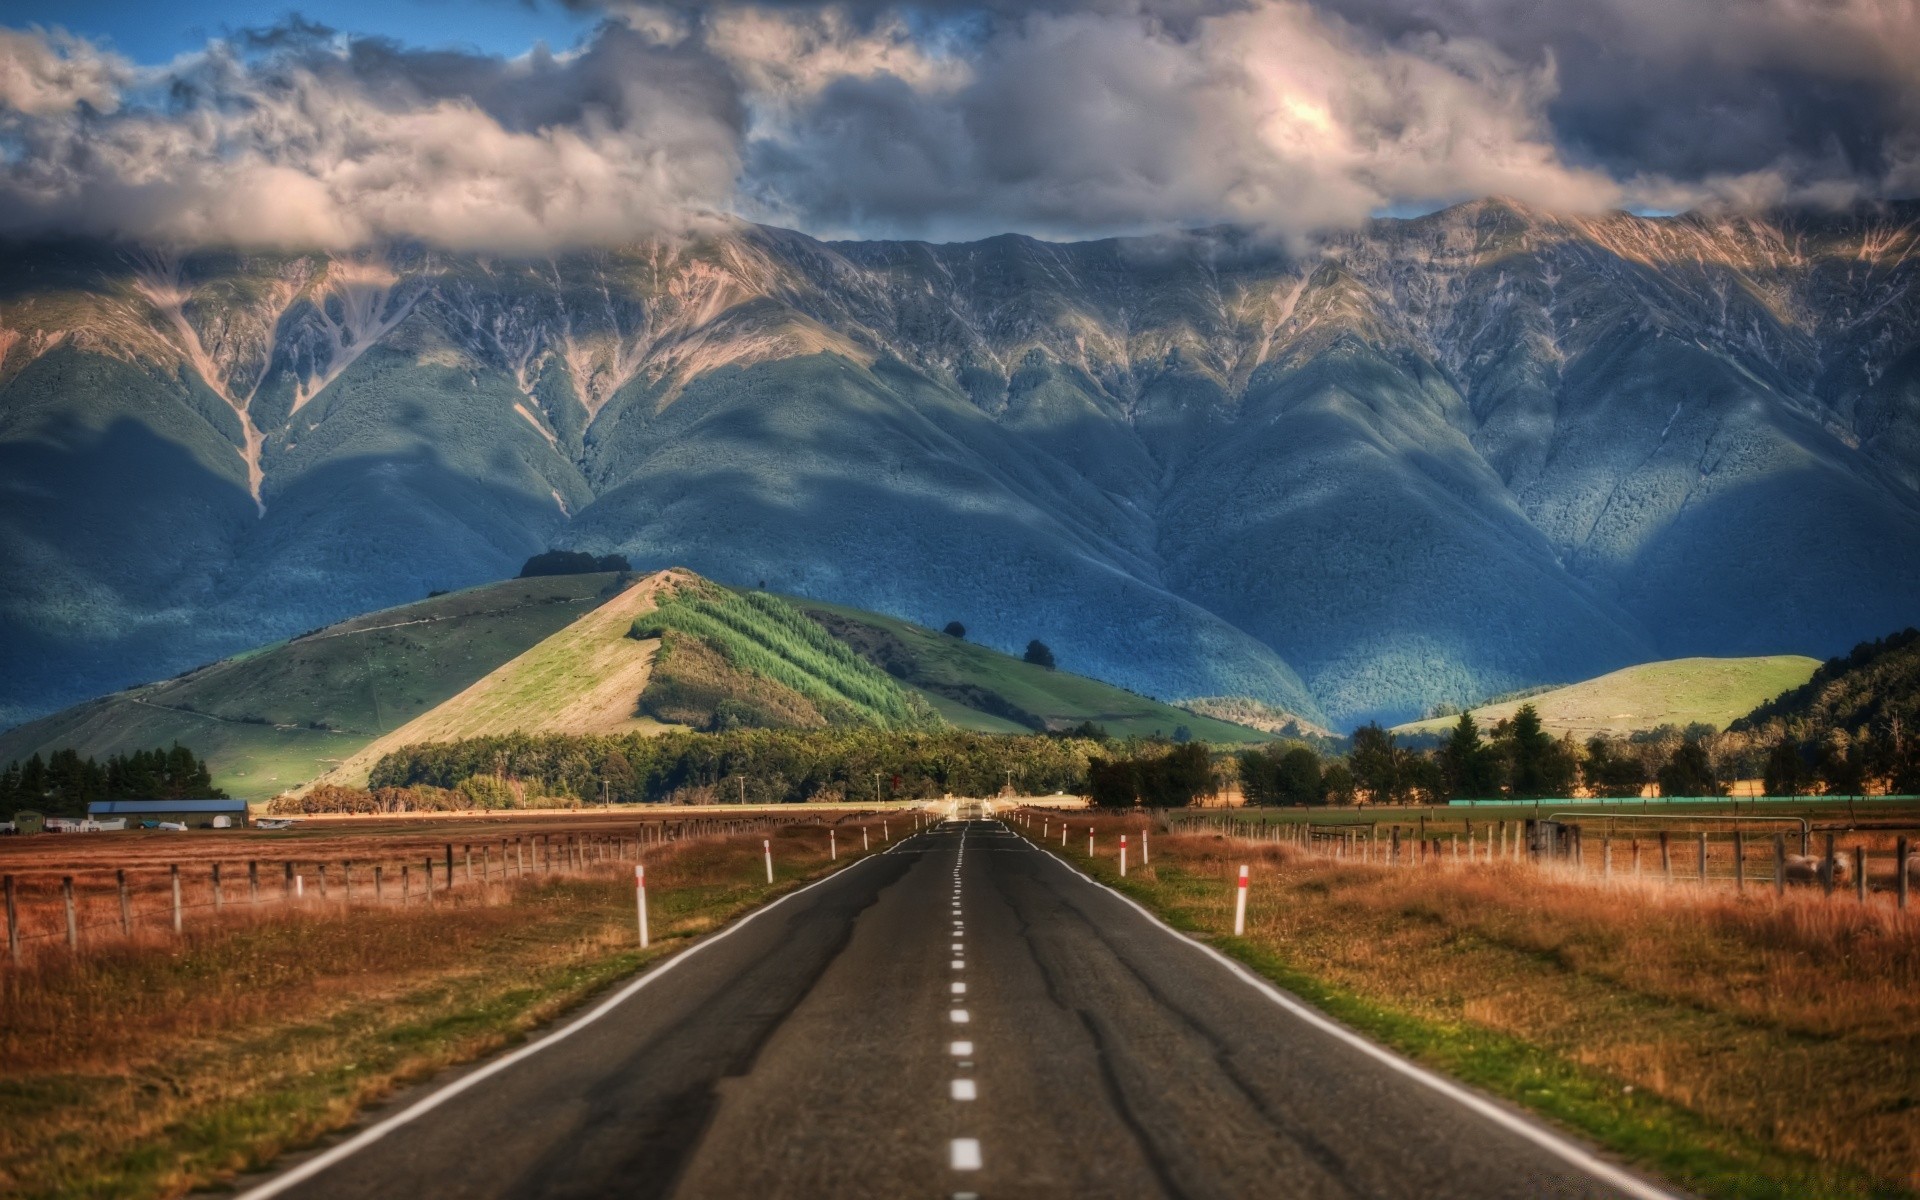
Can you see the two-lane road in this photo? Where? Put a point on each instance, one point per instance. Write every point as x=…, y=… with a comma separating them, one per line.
x=962, y=1014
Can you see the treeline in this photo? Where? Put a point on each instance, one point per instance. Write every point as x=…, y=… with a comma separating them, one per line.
x=63, y=783
x=1517, y=759
x=572, y=562
x=1172, y=779
x=758, y=766
x=480, y=791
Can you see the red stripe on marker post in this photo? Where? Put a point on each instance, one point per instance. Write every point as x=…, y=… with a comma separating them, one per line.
x=1123, y=856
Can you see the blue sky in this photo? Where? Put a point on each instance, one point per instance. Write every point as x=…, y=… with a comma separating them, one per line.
x=154, y=32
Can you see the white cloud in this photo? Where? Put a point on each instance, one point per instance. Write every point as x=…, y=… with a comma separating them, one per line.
x=51, y=73
x=964, y=118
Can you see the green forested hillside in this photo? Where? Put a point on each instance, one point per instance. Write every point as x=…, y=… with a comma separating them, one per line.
x=747, y=658
x=978, y=688
x=1871, y=689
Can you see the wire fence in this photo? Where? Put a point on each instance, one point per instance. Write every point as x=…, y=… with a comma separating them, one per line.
x=84, y=906
x=1874, y=862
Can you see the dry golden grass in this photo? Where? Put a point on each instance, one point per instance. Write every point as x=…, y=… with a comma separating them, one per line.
x=153, y=1065
x=1790, y=1023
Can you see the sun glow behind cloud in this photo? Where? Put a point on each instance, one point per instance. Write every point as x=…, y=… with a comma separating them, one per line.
x=1062, y=119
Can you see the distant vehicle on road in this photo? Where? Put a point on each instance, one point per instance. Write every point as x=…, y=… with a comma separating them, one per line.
x=274, y=823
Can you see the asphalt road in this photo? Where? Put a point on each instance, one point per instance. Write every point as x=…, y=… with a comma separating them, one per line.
x=962, y=1014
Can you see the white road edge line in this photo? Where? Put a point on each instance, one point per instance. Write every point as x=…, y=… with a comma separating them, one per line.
x=1539, y=1135
x=426, y=1104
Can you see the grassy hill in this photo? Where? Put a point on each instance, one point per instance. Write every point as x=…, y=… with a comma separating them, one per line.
x=1680, y=691
x=580, y=654
x=982, y=689
x=281, y=714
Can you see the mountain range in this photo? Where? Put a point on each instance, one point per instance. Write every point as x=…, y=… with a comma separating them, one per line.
x=1423, y=462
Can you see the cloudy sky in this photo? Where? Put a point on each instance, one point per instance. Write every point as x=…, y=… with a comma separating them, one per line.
x=526, y=126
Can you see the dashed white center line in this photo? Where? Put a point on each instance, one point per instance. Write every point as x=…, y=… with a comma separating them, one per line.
x=965, y=1154
x=960, y=1049
x=960, y=1016
x=959, y=964
x=958, y=947
x=963, y=1089
x=959, y=989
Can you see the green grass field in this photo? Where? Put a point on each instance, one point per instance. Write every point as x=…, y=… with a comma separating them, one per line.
x=942, y=667
x=1679, y=691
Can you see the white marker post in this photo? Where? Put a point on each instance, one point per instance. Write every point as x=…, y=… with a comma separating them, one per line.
x=1123, y=856
x=640, y=891
x=1089, y=841
x=863, y=838
x=884, y=835
x=1063, y=835
x=833, y=847
x=767, y=846
x=1146, y=854
x=1240, y=906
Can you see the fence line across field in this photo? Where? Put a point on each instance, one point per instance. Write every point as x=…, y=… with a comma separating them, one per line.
x=66, y=904
x=1626, y=851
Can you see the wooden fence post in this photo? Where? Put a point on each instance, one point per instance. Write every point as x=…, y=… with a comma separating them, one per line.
x=1860, y=874
x=286, y=882
x=449, y=871
x=377, y=891
x=1636, y=857
x=1900, y=873
x=320, y=869
x=1827, y=868
x=218, y=899
x=430, y=878
x=469, y=852
x=1779, y=864
x=1739, y=861
x=1703, y=857
x=253, y=883
x=1666, y=856
x=175, y=871
x=13, y=925
x=406, y=883
x=126, y=905
x=73, y=922
x=346, y=878
x=1606, y=856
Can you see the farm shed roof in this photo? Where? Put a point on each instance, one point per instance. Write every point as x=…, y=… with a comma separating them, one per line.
x=132, y=808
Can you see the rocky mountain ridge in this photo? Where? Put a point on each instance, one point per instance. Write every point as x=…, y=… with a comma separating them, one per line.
x=1425, y=461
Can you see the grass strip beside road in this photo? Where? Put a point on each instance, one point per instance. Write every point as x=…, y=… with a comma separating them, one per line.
x=1739, y=1048
x=157, y=1068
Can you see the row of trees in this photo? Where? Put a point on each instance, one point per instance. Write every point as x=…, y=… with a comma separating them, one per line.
x=64, y=784
x=754, y=765
x=1519, y=759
